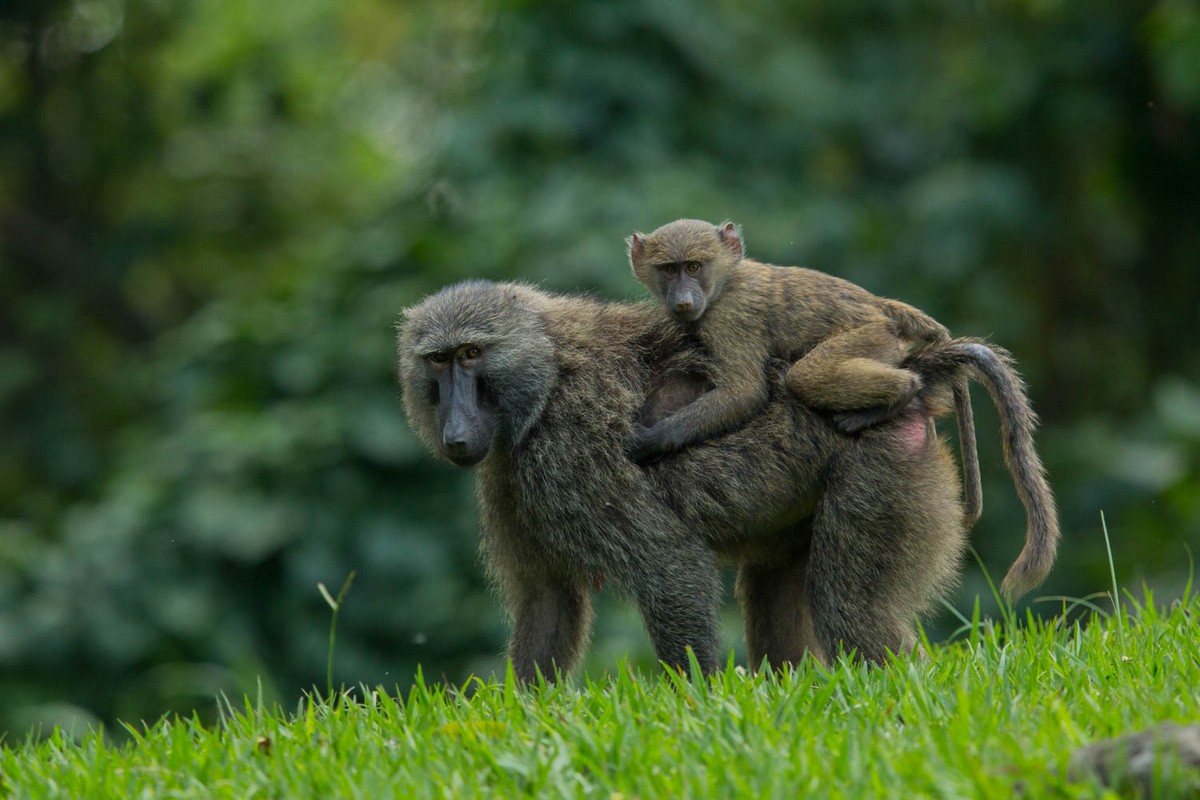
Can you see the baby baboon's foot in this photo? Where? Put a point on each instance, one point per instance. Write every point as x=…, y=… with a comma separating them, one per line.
x=855, y=421
x=860, y=419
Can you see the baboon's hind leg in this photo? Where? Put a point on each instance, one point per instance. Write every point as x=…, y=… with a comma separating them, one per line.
x=850, y=614
x=775, y=612
x=887, y=541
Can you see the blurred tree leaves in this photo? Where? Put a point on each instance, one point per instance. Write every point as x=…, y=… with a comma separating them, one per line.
x=201, y=275
x=212, y=211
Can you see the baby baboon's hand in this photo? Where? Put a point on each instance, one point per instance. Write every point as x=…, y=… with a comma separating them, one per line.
x=645, y=444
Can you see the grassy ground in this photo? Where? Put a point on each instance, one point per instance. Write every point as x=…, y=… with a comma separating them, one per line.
x=976, y=718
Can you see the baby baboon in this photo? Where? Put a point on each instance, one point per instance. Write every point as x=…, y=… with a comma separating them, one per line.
x=841, y=542
x=847, y=344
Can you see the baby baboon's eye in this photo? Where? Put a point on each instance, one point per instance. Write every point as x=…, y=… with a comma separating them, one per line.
x=693, y=266
x=670, y=269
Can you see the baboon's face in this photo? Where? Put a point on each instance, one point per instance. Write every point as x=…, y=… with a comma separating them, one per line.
x=473, y=369
x=684, y=287
x=684, y=262
x=464, y=410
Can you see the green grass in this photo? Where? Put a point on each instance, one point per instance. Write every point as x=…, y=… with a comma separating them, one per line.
x=976, y=718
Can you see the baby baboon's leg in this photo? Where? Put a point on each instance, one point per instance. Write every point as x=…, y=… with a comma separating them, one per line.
x=775, y=612
x=888, y=537
x=551, y=624
x=854, y=369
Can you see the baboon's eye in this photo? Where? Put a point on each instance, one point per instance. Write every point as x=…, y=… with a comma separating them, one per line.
x=693, y=266
x=670, y=269
x=438, y=358
x=472, y=352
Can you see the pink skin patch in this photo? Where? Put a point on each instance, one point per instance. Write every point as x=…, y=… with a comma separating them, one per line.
x=913, y=431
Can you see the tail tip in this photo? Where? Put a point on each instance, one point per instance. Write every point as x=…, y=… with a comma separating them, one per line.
x=1021, y=580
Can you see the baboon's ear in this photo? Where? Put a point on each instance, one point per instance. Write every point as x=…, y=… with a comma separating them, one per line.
x=731, y=236
x=636, y=245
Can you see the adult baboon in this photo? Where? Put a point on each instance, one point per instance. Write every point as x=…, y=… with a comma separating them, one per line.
x=840, y=541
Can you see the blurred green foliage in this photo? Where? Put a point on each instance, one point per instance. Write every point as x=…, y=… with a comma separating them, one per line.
x=212, y=211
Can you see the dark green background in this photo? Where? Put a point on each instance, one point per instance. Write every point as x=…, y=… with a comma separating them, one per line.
x=211, y=213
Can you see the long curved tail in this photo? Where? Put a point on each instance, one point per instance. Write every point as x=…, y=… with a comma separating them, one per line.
x=949, y=363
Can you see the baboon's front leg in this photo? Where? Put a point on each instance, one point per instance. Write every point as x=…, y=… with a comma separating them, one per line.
x=551, y=624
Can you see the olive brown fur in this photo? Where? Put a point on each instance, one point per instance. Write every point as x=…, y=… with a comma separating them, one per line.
x=840, y=542
x=846, y=343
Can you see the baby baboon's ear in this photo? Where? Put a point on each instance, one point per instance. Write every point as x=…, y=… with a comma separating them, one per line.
x=731, y=236
x=636, y=245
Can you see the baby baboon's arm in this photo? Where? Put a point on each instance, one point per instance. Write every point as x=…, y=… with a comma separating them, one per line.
x=739, y=373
